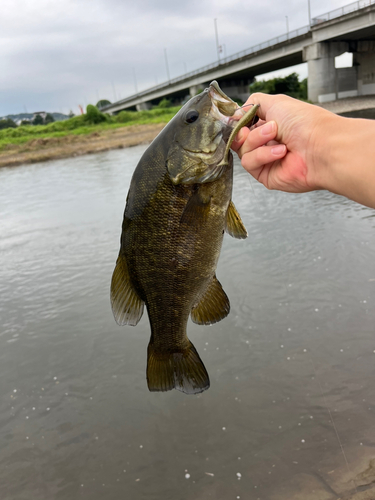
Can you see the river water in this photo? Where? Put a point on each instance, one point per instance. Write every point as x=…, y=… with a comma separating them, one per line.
x=290, y=414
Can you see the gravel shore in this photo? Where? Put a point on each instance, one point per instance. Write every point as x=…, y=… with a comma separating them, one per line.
x=39, y=150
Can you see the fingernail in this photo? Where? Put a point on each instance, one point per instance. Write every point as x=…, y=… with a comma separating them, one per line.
x=278, y=150
x=268, y=128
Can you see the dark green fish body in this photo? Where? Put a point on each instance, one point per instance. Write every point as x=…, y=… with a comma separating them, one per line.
x=178, y=208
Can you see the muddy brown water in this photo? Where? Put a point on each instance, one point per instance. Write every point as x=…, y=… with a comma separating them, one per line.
x=292, y=367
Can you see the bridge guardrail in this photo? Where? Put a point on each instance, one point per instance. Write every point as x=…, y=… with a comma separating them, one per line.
x=341, y=11
x=346, y=9
x=224, y=60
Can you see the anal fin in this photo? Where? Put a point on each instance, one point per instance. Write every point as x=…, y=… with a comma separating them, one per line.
x=234, y=225
x=213, y=306
x=127, y=307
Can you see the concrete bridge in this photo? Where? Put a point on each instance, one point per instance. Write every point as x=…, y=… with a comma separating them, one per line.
x=348, y=29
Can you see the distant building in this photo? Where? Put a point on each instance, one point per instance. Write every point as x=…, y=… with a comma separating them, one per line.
x=20, y=120
x=43, y=114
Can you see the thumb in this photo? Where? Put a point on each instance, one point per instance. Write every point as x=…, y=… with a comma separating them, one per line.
x=265, y=102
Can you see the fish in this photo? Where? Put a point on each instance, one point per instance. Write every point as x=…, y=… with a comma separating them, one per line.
x=178, y=207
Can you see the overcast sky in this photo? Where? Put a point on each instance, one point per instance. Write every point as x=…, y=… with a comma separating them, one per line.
x=57, y=54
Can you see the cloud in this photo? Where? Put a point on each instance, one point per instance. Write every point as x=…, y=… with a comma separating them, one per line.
x=58, y=54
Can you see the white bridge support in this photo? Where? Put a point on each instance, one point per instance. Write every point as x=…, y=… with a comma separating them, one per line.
x=320, y=58
x=327, y=83
x=143, y=106
x=195, y=89
x=364, y=60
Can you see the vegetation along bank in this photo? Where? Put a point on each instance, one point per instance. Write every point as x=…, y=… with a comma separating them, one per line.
x=95, y=131
x=88, y=133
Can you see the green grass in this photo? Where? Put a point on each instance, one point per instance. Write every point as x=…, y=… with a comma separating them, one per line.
x=84, y=125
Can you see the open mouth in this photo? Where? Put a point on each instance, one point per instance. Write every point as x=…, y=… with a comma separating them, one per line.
x=221, y=102
x=223, y=107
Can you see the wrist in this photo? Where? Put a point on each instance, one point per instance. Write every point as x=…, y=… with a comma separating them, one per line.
x=326, y=149
x=344, y=158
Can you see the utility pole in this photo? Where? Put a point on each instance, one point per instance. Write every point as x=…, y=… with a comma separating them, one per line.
x=166, y=64
x=308, y=6
x=114, y=91
x=287, y=27
x=135, y=82
x=217, y=41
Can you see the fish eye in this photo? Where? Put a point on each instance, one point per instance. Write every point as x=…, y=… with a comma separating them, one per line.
x=191, y=116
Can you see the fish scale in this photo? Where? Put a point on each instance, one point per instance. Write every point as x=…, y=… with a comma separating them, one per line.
x=178, y=208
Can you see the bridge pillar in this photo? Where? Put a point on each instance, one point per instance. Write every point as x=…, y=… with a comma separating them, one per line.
x=143, y=106
x=195, y=89
x=322, y=75
x=236, y=89
x=364, y=60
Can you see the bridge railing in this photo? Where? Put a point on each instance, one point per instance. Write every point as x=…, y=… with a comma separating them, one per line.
x=224, y=60
x=243, y=53
x=346, y=9
x=267, y=43
x=341, y=11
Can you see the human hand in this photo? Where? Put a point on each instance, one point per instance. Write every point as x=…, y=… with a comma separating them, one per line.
x=279, y=150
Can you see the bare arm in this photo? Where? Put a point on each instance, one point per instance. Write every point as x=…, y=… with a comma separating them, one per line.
x=298, y=147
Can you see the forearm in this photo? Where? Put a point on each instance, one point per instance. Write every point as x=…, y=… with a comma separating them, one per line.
x=346, y=159
x=321, y=149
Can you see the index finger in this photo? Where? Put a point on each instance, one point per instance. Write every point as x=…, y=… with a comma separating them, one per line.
x=265, y=102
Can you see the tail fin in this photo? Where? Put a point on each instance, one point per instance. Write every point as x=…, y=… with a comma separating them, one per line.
x=183, y=371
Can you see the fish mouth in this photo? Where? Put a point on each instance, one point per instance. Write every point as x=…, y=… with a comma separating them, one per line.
x=231, y=115
x=223, y=108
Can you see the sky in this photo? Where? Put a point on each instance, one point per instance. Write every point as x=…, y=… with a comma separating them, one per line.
x=58, y=54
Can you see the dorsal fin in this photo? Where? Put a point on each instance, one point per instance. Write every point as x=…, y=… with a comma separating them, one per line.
x=127, y=307
x=213, y=306
x=235, y=227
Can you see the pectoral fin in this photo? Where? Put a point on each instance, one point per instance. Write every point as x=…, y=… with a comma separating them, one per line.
x=235, y=227
x=213, y=306
x=127, y=307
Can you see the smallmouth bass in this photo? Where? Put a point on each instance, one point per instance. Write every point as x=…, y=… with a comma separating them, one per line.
x=177, y=210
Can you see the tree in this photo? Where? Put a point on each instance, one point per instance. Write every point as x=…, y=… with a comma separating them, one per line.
x=289, y=85
x=49, y=118
x=303, y=87
x=164, y=103
x=7, y=123
x=93, y=115
x=103, y=102
x=38, y=120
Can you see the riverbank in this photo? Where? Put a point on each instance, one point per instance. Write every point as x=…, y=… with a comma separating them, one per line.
x=50, y=148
